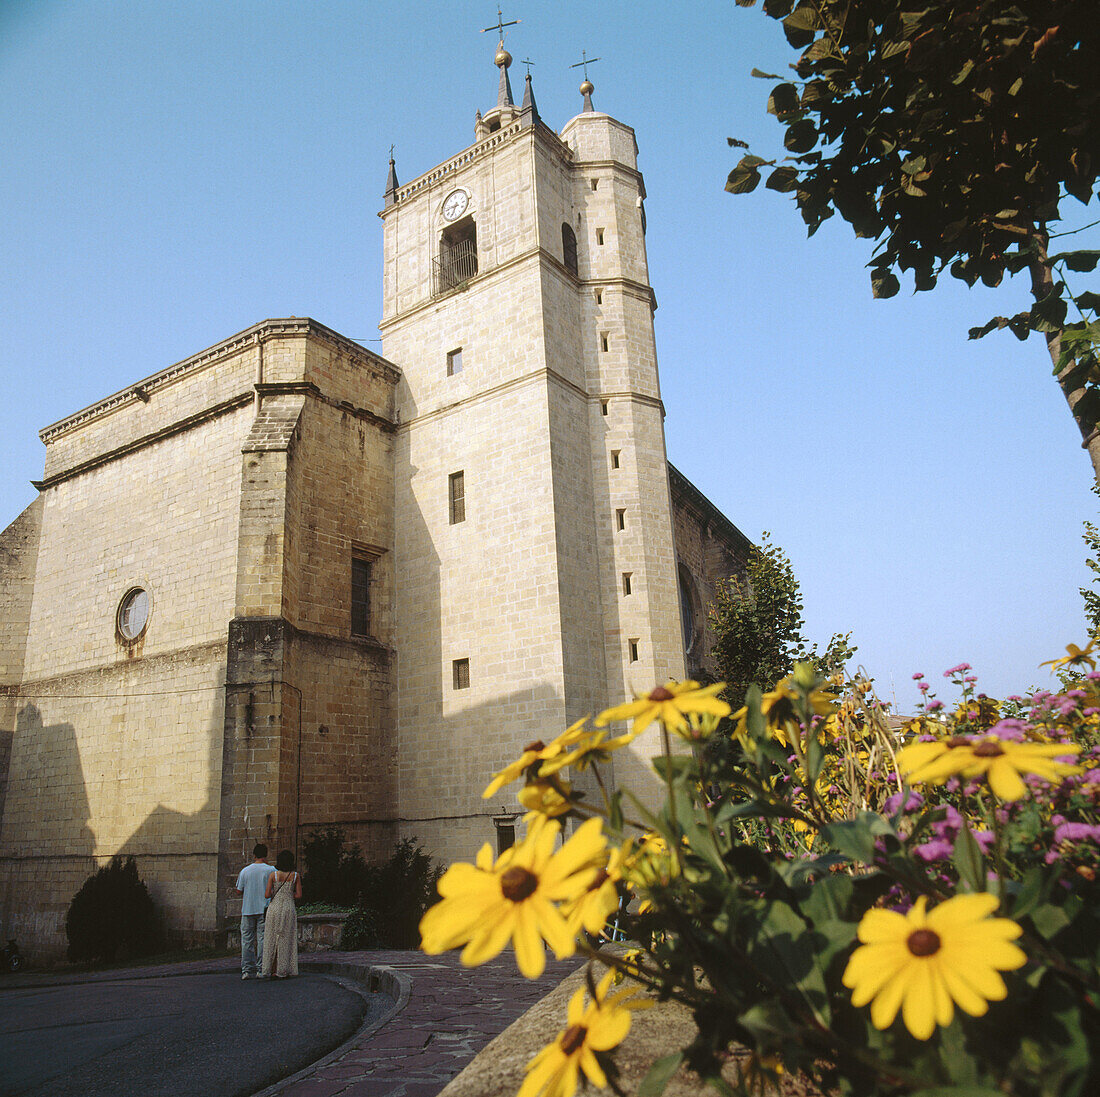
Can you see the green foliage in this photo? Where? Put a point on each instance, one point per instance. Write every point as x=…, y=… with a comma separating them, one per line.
x=112, y=915
x=754, y=912
x=929, y=129
x=333, y=873
x=757, y=620
x=1090, y=594
x=388, y=899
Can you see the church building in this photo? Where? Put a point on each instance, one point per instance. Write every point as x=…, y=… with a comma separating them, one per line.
x=289, y=583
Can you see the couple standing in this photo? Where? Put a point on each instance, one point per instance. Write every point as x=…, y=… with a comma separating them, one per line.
x=269, y=895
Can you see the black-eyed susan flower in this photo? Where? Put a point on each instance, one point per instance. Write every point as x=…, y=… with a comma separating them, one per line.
x=596, y=1027
x=546, y=796
x=536, y=753
x=1002, y=762
x=670, y=704
x=486, y=905
x=591, y=910
x=926, y=962
x=778, y=707
x=1074, y=657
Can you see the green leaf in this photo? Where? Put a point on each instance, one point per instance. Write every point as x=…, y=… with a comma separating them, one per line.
x=1016, y=85
x=855, y=838
x=884, y=284
x=783, y=100
x=1077, y=260
x=968, y=861
x=783, y=179
x=660, y=1074
x=742, y=180
x=778, y=9
x=764, y=75
x=801, y=136
x=804, y=17
x=963, y=73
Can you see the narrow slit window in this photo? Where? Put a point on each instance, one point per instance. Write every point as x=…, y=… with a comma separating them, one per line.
x=595, y=184
x=454, y=361
x=360, y=596
x=569, y=248
x=627, y=586
x=603, y=407
x=458, y=497
x=605, y=341
x=620, y=519
x=599, y=297
x=633, y=646
x=506, y=837
x=599, y=237
x=615, y=458
x=460, y=673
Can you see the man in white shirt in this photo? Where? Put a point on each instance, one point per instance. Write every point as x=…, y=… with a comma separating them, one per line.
x=252, y=883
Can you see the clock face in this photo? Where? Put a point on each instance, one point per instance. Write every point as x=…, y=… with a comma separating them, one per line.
x=455, y=204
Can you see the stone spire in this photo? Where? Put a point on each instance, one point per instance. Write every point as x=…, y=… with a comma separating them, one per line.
x=503, y=59
x=586, y=88
x=391, y=181
x=529, y=112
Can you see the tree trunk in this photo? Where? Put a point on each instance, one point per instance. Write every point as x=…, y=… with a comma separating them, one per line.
x=1042, y=281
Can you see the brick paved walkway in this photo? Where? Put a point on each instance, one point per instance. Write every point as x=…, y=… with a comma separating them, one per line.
x=451, y=1013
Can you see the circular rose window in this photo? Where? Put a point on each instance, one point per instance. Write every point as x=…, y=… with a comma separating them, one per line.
x=133, y=613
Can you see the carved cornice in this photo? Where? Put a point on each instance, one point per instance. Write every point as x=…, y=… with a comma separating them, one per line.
x=266, y=330
x=687, y=495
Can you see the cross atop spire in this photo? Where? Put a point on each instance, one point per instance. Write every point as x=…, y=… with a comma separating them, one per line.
x=499, y=26
x=586, y=87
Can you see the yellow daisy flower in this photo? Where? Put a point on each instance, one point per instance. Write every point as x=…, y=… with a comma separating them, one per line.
x=1002, y=762
x=927, y=962
x=599, y=1026
x=1074, y=657
x=536, y=752
x=778, y=708
x=545, y=797
x=486, y=905
x=670, y=704
x=591, y=910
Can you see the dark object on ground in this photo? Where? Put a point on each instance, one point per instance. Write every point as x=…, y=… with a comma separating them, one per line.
x=112, y=913
x=10, y=958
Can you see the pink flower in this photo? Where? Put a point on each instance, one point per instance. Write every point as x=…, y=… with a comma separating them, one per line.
x=956, y=670
x=935, y=706
x=918, y=676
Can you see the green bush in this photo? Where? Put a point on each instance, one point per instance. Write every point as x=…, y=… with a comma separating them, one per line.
x=333, y=873
x=112, y=914
x=362, y=929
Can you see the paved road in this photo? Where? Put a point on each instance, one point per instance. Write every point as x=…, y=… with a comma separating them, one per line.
x=209, y=1034
x=177, y=1029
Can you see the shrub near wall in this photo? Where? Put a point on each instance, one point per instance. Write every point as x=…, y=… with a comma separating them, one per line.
x=113, y=914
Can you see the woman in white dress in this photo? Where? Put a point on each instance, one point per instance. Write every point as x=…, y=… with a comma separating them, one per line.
x=284, y=885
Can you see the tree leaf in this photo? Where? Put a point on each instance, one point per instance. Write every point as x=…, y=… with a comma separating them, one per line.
x=764, y=75
x=783, y=100
x=1077, y=260
x=783, y=179
x=884, y=284
x=742, y=180
x=801, y=136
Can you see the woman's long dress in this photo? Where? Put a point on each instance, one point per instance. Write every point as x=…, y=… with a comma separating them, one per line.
x=281, y=931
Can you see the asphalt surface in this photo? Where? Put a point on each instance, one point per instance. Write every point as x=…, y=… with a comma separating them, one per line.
x=211, y=1034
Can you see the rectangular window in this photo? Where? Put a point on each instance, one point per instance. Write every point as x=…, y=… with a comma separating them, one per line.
x=620, y=519
x=460, y=671
x=595, y=184
x=615, y=458
x=599, y=297
x=454, y=361
x=599, y=236
x=633, y=644
x=626, y=581
x=603, y=407
x=605, y=341
x=506, y=837
x=360, y=597
x=458, y=497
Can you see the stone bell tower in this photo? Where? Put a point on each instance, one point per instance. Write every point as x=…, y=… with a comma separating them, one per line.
x=535, y=567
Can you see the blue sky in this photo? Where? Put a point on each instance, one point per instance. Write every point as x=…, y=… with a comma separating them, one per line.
x=173, y=173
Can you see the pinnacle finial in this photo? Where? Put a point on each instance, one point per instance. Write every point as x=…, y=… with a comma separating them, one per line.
x=391, y=182
x=586, y=87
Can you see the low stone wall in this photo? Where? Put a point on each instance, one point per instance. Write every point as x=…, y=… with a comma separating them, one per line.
x=316, y=932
